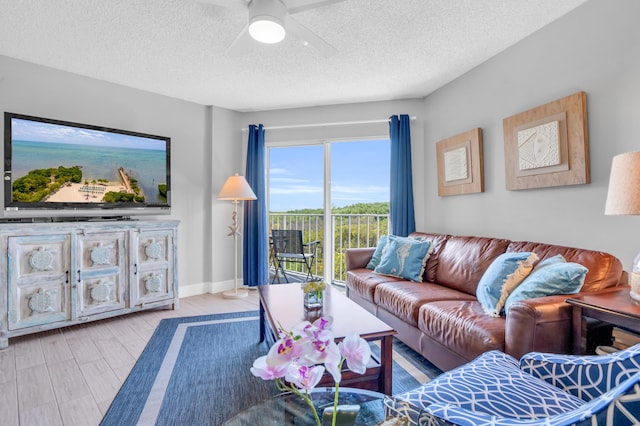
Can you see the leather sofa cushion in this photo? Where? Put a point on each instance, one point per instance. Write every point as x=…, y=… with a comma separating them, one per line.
x=364, y=282
x=464, y=260
x=437, y=243
x=605, y=270
x=404, y=298
x=462, y=326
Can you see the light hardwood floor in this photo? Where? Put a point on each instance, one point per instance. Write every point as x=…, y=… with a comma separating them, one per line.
x=69, y=376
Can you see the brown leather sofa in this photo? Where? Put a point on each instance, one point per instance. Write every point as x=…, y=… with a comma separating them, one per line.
x=441, y=318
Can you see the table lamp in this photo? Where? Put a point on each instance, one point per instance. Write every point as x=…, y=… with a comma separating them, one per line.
x=235, y=189
x=623, y=198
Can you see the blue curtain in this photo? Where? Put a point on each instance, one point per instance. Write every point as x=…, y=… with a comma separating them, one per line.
x=255, y=265
x=402, y=216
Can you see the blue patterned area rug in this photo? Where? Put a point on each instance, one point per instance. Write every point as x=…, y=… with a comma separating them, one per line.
x=195, y=371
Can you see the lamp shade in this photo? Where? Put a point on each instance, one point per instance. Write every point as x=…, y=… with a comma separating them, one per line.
x=623, y=196
x=236, y=188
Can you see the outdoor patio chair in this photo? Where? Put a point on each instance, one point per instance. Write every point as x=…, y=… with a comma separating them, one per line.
x=288, y=246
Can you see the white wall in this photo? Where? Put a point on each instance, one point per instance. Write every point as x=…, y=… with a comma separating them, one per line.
x=35, y=90
x=592, y=49
x=227, y=158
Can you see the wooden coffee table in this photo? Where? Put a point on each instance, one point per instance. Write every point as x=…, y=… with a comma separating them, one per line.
x=281, y=305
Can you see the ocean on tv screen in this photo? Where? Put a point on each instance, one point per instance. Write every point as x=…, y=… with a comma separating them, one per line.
x=80, y=173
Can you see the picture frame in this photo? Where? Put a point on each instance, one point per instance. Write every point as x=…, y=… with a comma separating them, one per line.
x=547, y=145
x=460, y=164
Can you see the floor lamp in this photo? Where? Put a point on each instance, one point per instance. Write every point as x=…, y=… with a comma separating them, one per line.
x=235, y=189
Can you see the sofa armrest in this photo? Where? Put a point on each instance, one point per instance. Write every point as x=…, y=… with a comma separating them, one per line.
x=356, y=258
x=538, y=325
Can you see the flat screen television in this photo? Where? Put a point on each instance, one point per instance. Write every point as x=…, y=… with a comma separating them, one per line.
x=55, y=168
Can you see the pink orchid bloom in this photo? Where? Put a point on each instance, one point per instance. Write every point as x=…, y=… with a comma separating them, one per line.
x=356, y=352
x=317, y=337
x=318, y=351
x=284, y=351
x=323, y=352
x=322, y=335
x=332, y=361
x=323, y=323
x=261, y=368
x=304, y=377
x=302, y=355
x=301, y=329
x=320, y=327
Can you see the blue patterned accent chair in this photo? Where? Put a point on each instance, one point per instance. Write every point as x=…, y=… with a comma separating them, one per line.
x=540, y=389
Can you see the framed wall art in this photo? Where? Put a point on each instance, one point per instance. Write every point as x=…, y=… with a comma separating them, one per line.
x=460, y=164
x=548, y=145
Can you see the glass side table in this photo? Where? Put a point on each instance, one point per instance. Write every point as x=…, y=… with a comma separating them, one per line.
x=289, y=409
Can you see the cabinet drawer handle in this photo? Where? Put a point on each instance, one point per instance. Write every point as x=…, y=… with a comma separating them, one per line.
x=67, y=273
x=79, y=280
x=135, y=269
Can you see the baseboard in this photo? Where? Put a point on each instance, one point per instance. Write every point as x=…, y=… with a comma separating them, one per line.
x=203, y=288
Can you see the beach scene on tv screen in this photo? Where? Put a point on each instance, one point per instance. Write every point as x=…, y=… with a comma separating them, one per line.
x=66, y=164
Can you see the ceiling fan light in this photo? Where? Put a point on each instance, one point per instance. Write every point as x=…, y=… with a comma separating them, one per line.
x=266, y=29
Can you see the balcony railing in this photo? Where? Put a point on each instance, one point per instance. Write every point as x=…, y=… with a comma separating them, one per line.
x=347, y=231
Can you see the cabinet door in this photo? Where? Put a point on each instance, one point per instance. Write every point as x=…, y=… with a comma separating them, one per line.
x=101, y=276
x=152, y=267
x=38, y=272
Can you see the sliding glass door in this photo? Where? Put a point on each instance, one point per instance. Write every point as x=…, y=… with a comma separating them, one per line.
x=336, y=192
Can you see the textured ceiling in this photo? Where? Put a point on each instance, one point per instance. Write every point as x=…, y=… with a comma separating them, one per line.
x=387, y=49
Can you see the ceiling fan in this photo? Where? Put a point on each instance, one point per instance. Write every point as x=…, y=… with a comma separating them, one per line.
x=270, y=21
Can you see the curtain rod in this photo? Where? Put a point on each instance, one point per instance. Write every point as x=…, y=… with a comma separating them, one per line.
x=337, y=123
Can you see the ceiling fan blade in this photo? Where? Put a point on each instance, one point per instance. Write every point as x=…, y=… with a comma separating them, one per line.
x=295, y=6
x=228, y=4
x=241, y=43
x=307, y=36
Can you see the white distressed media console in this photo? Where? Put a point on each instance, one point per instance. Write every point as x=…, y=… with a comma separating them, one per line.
x=57, y=274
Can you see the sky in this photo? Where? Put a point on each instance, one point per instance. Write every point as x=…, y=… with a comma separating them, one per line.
x=36, y=131
x=359, y=174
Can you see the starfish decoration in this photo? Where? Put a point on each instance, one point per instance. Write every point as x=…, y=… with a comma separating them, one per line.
x=234, y=227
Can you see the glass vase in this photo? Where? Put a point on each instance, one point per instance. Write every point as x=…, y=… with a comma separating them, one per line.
x=313, y=299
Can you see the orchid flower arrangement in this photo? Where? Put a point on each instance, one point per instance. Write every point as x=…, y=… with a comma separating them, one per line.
x=297, y=361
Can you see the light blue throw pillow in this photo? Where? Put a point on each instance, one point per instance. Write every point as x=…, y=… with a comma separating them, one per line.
x=404, y=258
x=558, y=258
x=549, y=279
x=509, y=269
x=377, y=255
